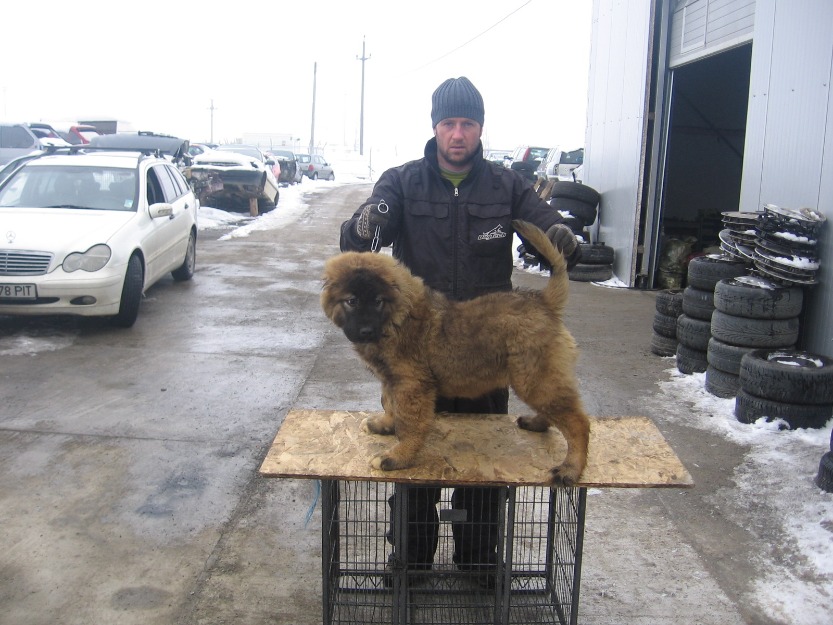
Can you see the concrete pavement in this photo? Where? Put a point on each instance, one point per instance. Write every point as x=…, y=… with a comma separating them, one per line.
x=129, y=459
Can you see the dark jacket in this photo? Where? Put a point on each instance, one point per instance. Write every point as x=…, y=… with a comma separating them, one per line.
x=458, y=240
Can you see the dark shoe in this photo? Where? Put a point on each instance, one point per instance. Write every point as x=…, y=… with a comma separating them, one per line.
x=394, y=565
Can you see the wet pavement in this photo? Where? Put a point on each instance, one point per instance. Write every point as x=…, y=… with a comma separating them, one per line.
x=129, y=458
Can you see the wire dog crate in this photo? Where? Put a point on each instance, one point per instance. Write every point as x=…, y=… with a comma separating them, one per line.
x=532, y=567
x=367, y=579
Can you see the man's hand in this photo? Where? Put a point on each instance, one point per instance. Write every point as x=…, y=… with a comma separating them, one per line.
x=562, y=239
x=565, y=242
x=369, y=219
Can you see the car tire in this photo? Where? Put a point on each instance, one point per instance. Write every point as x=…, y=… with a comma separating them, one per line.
x=824, y=478
x=665, y=325
x=726, y=357
x=131, y=294
x=757, y=298
x=186, y=270
x=691, y=360
x=698, y=303
x=670, y=302
x=704, y=272
x=314, y=175
x=788, y=376
x=721, y=384
x=693, y=333
x=590, y=273
x=596, y=254
x=579, y=209
x=754, y=332
x=331, y=177
x=749, y=408
x=576, y=191
x=663, y=345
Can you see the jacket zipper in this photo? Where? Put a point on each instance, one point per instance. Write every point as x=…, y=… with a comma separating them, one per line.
x=455, y=228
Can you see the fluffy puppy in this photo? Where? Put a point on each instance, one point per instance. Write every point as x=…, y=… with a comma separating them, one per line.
x=421, y=345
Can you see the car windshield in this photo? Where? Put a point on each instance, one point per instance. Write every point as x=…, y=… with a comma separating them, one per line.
x=303, y=158
x=64, y=186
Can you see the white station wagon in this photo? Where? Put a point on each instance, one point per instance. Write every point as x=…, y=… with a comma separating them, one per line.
x=84, y=231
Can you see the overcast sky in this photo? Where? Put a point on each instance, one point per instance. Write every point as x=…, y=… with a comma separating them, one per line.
x=159, y=65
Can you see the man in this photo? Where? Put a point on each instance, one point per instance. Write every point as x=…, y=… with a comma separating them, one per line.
x=448, y=217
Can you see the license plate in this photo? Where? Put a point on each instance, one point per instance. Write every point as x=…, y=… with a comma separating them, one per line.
x=18, y=291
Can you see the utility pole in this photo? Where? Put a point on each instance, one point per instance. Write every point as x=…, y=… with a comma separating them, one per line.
x=211, y=108
x=362, y=58
x=312, y=128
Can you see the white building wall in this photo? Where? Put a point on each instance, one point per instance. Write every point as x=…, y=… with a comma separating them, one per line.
x=788, y=156
x=615, y=135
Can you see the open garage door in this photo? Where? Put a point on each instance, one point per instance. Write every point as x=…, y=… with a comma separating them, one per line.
x=703, y=160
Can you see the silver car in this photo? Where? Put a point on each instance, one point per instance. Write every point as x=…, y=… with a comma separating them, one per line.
x=314, y=166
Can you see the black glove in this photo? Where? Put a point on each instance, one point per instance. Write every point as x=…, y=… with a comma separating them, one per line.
x=565, y=242
x=562, y=239
x=371, y=218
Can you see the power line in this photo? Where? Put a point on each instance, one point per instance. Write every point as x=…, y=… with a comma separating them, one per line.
x=463, y=45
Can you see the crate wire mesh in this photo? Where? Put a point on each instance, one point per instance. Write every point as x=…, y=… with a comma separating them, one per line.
x=367, y=578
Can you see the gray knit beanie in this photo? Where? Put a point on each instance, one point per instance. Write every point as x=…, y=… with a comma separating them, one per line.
x=456, y=97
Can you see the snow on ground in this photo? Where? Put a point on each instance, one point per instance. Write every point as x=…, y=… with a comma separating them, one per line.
x=776, y=474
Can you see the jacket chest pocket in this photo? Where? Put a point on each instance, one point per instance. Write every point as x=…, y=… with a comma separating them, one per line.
x=489, y=229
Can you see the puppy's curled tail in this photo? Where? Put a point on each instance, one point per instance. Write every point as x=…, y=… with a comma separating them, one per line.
x=555, y=292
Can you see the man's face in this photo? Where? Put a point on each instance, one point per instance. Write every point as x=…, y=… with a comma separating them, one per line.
x=457, y=141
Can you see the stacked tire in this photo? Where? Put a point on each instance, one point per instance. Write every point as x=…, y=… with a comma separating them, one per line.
x=596, y=264
x=824, y=478
x=577, y=203
x=751, y=313
x=793, y=386
x=669, y=306
x=694, y=324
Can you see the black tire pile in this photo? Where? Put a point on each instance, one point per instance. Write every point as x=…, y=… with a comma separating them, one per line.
x=824, y=478
x=786, y=384
x=751, y=312
x=596, y=263
x=669, y=306
x=694, y=324
x=577, y=203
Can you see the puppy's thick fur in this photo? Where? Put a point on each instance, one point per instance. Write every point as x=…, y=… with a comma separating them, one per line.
x=422, y=345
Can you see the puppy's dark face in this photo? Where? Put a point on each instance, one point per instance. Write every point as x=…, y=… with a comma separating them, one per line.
x=365, y=307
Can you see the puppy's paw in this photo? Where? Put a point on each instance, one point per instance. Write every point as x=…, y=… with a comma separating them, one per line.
x=376, y=425
x=384, y=462
x=565, y=475
x=533, y=424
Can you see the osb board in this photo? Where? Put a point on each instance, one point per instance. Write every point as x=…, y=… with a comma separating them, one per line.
x=477, y=449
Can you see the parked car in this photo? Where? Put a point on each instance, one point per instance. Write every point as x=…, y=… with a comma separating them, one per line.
x=18, y=140
x=498, y=156
x=290, y=171
x=558, y=164
x=232, y=176
x=315, y=166
x=74, y=133
x=88, y=231
x=195, y=149
x=525, y=159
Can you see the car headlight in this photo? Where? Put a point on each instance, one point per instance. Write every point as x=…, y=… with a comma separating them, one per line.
x=92, y=260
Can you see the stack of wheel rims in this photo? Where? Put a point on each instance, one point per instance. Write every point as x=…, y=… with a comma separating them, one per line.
x=793, y=386
x=669, y=306
x=694, y=324
x=751, y=312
